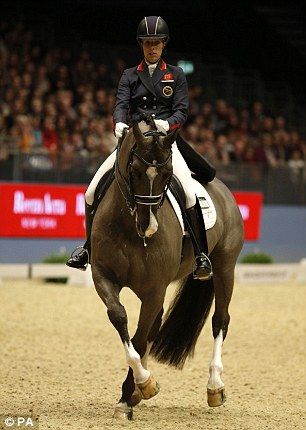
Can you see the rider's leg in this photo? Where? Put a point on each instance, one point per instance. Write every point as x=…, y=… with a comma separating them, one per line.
x=80, y=257
x=196, y=227
x=105, y=167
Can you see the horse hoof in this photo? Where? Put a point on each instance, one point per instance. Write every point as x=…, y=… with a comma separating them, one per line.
x=149, y=388
x=123, y=412
x=216, y=397
x=136, y=397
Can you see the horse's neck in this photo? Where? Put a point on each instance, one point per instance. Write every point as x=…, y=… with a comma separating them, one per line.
x=124, y=151
x=119, y=204
x=118, y=216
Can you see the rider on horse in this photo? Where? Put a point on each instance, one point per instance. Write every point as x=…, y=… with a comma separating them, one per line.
x=158, y=89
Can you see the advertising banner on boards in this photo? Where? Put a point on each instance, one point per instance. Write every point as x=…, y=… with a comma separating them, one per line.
x=57, y=211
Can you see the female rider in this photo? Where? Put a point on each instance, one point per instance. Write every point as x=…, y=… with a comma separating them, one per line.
x=159, y=89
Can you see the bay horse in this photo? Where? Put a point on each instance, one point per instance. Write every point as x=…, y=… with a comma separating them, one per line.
x=137, y=242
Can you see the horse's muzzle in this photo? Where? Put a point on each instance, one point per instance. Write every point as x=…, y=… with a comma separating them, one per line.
x=151, y=225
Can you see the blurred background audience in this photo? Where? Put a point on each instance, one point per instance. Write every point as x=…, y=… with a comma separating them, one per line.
x=60, y=104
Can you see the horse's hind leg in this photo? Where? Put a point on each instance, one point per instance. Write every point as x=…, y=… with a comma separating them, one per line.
x=215, y=386
x=109, y=293
x=223, y=285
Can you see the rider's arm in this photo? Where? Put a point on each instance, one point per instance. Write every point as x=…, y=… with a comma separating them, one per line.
x=122, y=104
x=180, y=102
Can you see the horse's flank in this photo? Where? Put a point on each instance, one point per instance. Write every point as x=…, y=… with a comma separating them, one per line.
x=226, y=233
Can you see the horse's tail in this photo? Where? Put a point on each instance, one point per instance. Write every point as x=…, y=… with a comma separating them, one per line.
x=183, y=323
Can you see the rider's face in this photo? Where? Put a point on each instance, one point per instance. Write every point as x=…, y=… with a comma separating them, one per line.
x=152, y=49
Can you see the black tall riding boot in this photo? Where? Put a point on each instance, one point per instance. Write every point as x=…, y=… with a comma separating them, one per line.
x=196, y=228
x=81, y=255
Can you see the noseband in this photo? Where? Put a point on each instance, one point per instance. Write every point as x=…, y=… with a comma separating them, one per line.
x=130, y=197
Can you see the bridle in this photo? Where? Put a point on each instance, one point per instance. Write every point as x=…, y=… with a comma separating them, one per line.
x=132, y=199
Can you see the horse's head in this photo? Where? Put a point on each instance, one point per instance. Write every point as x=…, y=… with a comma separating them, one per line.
x=150, y=174
x=150, y=171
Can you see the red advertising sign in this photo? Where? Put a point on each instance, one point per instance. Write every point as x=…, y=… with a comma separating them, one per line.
x=54, y=211
x=41, y=210
x=250, y=205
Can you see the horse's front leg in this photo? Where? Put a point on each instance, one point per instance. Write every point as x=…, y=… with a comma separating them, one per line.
x=149, y=322
x=153, y=388
x=109, y=293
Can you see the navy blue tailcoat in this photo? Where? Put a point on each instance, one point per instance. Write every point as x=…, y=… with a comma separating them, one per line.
x=164, y=95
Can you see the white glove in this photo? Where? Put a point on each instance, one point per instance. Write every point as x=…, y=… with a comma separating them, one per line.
x=162, y=125
x=120, y=126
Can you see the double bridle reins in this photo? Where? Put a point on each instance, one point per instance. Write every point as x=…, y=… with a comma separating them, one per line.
x=130, y=197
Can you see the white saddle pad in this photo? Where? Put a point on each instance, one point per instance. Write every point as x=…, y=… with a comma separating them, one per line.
x=206, y=203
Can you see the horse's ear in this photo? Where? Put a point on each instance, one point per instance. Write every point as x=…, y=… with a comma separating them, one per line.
x=137, y=133
x=141, y=140
x=168, y=140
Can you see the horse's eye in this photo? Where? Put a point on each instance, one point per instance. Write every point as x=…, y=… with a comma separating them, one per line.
x=167, y=171
x=136, y=173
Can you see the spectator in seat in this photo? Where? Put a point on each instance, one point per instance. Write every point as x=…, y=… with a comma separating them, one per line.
x=50, y=136
x=221, y=116
x=236, y=154
x=257, y=111
x=221, y=156
x=296, y=164
x=24, y=133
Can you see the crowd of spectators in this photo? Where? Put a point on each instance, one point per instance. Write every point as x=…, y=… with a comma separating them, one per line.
x=54, y=101
x=252, y=135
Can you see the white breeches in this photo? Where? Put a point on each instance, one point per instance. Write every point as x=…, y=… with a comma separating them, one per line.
x=180, y=169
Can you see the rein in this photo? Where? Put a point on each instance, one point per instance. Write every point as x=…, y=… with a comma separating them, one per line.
x=130, y=197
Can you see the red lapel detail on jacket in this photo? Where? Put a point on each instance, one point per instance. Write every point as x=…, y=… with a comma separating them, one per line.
x=163, y=65
x=140, y=67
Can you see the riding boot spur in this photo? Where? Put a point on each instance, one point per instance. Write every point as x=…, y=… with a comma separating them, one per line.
x=81, y=255
x=196, y=227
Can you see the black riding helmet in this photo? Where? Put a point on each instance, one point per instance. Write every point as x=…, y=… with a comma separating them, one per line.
x=152, y=27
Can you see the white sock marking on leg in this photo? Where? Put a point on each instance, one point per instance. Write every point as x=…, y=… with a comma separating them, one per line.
x=133, y=359
x=153, y=226
x=216, y=366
